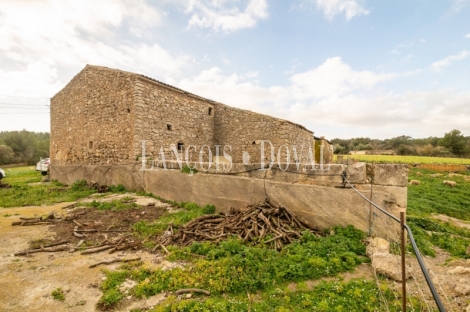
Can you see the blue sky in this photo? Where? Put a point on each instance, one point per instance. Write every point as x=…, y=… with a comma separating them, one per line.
x=342, y=68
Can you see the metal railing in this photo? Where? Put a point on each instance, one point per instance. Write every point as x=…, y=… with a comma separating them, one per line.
x=432, y=288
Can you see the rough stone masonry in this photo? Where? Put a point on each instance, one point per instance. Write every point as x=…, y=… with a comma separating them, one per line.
x=100, y=119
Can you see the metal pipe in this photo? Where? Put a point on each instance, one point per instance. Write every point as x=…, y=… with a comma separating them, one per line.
x=403, y=268
x=433, y=290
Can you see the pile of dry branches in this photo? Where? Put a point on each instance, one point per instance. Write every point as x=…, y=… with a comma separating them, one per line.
x=119, y=243
x=253, y=224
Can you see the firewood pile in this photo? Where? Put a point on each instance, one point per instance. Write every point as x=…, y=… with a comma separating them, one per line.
x=259, y=223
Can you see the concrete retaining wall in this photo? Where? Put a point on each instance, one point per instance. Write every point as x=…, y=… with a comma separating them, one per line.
x=317, y=197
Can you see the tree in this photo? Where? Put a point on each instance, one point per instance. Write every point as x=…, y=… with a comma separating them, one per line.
x=455, y=142
x=6, y=155
x=27, y=146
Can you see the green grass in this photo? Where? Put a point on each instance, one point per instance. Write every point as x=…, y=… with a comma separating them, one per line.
x=433, y=196
x=188, y=211
x=23, y=194
x=354, y=295
x=409, y=159
x=116, y=204
x=21, y=175
x=231, y=269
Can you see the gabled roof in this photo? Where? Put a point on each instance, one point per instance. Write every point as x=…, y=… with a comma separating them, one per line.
x=165, y=85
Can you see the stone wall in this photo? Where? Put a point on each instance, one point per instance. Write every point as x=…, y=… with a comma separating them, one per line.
x=92, y=118
x=244, y=131
x=103, y=115
x=318, y=198
x=166, y=115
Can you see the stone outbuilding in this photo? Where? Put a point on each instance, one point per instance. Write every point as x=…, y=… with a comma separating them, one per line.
x=102, y=116
x=100, y=119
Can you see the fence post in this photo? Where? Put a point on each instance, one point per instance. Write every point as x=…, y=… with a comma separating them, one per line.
x=403, y=268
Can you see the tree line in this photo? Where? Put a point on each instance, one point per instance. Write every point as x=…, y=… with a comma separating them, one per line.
x=23, y=147
x=28, y=147
x=452, y=144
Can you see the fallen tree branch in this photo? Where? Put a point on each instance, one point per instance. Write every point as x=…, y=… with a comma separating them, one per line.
x=114, y=261
x=90, y=251
x=192, y=290
x=26, y=252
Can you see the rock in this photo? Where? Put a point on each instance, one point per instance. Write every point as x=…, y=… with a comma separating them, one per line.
x=389, y=265
x=468, y=308
x=356, y=173
x=154, y=300
x=462, y=289
x=126, y=285
x=459, y=270
x=377, y=245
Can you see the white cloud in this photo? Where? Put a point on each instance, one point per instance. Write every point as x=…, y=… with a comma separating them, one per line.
x=236, y=90
x=45, y=43
x=457, y=5
x=329, y=100
x=66, y=35
x=334, y=78
x=40, y=78
x=449, y=60
x=226, y=16
x=467, y=36
x=348, y=8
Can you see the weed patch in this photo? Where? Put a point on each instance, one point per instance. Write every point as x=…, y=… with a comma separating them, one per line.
x=58, y=294
x=188, y=211
x=354, y=295
x=233, y=267
x=112, y=205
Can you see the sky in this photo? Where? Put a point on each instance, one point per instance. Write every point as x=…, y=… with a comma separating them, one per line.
x=341, y=68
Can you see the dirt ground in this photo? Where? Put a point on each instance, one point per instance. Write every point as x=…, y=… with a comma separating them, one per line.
x=26, y=282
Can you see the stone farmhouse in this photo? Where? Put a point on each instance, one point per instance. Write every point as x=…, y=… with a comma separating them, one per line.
x=102, y=115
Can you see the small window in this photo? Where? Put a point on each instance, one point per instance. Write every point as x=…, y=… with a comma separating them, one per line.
x=128, y=110
x=209, y=111
x=180, y=146
x=168, y=127
x=90, y=144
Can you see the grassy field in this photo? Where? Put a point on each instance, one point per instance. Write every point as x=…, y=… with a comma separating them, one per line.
x=409, y=159
x=433, y=197
x=25, y=190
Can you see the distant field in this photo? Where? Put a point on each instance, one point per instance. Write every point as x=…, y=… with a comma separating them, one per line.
x=409, y=159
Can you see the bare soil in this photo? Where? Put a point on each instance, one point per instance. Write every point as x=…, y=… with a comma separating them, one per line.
x=26, y=282
x=454, y=221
